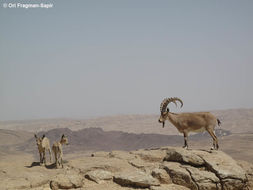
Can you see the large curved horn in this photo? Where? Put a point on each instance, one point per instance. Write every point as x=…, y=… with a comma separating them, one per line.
x=179, y=100
x=166, y=101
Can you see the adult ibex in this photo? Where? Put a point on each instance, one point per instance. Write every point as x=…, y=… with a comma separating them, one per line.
x=43, y=145
x=189, y=122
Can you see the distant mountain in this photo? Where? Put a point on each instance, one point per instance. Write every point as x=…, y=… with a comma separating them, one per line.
x=218, y=132
x=10, y=137
x=233, y=120
x=96, y=139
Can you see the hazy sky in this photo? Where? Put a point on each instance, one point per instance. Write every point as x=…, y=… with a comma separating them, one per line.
x=91, y=58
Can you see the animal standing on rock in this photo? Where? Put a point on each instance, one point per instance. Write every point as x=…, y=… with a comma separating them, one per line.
x=43, y=144
x=189, y=122
x=57, y=149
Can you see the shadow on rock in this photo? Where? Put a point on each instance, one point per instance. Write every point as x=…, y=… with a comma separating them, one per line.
x=50, y=166
x=33, y=164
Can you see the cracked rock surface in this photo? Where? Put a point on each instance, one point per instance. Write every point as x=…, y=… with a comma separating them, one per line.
x=166, y=168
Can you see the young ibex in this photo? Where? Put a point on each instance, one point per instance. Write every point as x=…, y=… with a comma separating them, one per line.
x=43, y=145
x=57, y=149
x=189, y=122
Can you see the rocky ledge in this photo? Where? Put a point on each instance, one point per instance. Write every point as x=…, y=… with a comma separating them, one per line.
x=166, y=168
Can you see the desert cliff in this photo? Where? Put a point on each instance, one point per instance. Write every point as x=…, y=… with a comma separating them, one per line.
x=169, y=168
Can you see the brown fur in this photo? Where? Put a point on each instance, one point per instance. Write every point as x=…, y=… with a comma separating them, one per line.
x=190, y=122
x=43, y=144
x=57, y=150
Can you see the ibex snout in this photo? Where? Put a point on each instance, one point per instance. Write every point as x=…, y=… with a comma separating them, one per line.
x=161, y=121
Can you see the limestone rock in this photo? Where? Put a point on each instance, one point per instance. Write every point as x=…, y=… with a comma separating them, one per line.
x=150, y=155
x=142, y=165
x=161, y=175
x=165, y=168
x=248, y=167
x=27, y=181
x=179, y=175
x=207, y=169
x=37, y=179
x=99, y=175
x=135, y=179
x=232, y=176
x=87, y=164
x=184, y=156
x=205, y=180
x=66, y=181
x=169, y=187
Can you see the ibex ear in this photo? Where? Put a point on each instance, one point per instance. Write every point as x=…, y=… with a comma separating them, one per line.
x=62, y=136
x=35, y=136
x=43, y=136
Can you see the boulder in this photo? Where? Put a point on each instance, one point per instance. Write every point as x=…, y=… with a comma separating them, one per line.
x=205, y=180
x=136, y=179
x=99, y=175
x=143, y=165
x=179, y=175
x=199, y=169
x=231, y=175
x=66, y=181
x=161, y=175
x=184, y=156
